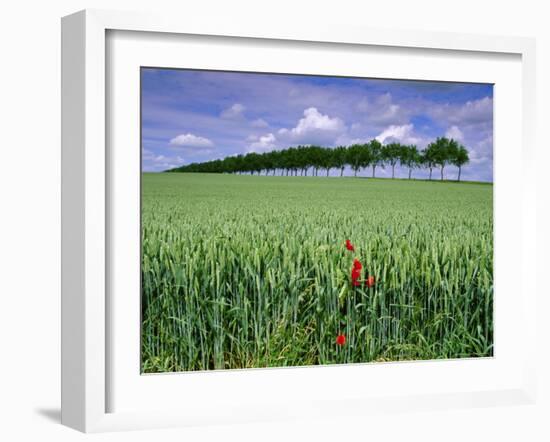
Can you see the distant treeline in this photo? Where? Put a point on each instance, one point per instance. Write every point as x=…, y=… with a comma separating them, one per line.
x=438, y=154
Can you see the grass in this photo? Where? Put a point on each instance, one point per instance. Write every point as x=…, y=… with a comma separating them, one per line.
x=244, y=271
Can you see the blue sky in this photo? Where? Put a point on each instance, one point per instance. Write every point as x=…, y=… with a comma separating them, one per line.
x=192, y=116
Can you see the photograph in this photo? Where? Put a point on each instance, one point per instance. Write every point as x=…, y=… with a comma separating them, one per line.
x=293, y=220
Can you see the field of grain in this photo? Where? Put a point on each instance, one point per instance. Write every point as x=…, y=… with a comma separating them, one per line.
x=252, y=271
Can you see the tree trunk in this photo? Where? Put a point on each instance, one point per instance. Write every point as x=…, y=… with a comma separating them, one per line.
x=392, y=171
x=459, y=170
x=328, y=170
x=341, y=172
x=430, y=173
x=410, y=173
x=373, y=171
x=442, y=173
x=355, y=173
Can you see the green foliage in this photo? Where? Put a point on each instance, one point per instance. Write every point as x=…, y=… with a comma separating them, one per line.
x=357, y=156
x=245, y=271
x=410, y=157
x=445, y=151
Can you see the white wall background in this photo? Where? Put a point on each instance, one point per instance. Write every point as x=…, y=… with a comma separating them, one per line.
x=30, y=214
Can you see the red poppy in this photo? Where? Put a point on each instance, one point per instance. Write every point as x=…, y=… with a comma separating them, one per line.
x=341, y=339
x=369, y=281
x=349, y=245
x=356, y=273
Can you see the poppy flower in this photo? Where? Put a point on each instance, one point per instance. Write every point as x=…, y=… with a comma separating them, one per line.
x=356, y=273
x=369, y=282
x=341, y=339
x=349, y=245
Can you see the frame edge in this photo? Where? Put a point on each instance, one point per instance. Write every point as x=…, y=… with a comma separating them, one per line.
x=83, y=374
x=83, y=368
x=73, y=80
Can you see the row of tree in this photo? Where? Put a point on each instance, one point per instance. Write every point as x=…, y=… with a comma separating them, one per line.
x=438, y=154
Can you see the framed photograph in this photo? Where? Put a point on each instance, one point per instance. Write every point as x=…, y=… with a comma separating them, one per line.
x=269, y=223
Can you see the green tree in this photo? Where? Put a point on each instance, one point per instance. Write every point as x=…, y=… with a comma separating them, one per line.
x=375, y=152
x=327, y=161
x=460, y=158
x=354, y=157
x=339, y=158
x=410, y=157
x=365, y=157
x=445, y=150
x=391, y=154
x=428, y=157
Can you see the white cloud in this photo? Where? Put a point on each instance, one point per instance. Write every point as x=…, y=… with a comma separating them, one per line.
x=314, y=128
x=402, y=134
x=389, y=113
x=155, y=163
x=234, y=112
x=191, y=141
x=475, y=111
x=470, y=113
x=455, y=133
x=382, y=110
x=356, y=141
x=259, y=123
x=482, y=152
x=264, y=143
x=146, y=154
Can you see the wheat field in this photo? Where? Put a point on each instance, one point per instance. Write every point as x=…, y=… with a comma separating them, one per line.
x=253, y=271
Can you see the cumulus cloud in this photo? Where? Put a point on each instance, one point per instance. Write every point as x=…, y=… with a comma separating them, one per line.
x=382, y=110
x=191, y=141
x=482, y=151
x=455, y=133
x=385, y=110
x=263, y=143
x=472, y=112
x=475, y=111
x=401, y=134
x=259, y=123
x=154, y=163
x=314, y=128
x=356, y=141
x=234, y=112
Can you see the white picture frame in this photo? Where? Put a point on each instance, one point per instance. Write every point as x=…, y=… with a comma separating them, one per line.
x=87, y=320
